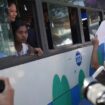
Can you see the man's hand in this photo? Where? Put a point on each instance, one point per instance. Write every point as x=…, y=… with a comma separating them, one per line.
x=38, y=51
x=7, y=96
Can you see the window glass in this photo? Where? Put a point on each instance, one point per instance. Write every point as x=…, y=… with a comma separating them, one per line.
x=6, y=39
x=59, y=23
x=94, y=22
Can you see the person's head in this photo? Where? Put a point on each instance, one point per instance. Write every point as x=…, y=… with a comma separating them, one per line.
x=20, y=31
x=12, y=11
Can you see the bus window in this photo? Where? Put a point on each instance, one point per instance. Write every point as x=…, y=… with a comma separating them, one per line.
x=94, y=21
x=84, y=19
x=58, y=25
x=25, y=31
x=74, y=23
x=6, y=39
x=26, y=11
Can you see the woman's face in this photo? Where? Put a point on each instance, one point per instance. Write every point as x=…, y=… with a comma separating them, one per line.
x=22, y=34
x=12, y=12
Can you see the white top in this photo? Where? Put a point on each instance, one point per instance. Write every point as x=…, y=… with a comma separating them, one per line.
x=24, y=50
x=101, y=33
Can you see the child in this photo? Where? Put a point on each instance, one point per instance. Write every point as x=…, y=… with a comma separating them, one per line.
x=20, y=33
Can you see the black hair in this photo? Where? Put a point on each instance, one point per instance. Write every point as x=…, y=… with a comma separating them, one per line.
x=11, y=2
x=16, y=25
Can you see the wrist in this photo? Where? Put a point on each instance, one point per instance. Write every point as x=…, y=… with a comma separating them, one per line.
x=95, y=47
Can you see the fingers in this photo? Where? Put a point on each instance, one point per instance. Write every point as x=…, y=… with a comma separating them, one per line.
x=7, y=96
x=39, y=51
x=95, y=40
x=6, y=81
x=7, y=84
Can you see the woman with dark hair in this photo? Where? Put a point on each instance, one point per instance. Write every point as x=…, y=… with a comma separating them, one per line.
x=20, y=33
x=12, y=11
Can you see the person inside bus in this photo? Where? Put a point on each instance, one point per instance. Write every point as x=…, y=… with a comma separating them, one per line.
x=12, y=11
x=7, y=96
x=32, y=37
x=94, y=59
x=11, y=16
x=20, y=33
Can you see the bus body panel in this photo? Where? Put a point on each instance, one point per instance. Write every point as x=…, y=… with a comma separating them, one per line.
x=46, y=81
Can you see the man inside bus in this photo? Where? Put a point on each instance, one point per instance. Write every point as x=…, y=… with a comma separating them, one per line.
x=7, y=96
x=12, y=14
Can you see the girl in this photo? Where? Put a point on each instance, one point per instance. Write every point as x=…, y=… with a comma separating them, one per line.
x=20, y=34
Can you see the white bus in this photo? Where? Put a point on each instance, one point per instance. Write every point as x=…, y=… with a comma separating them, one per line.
x=63, y=31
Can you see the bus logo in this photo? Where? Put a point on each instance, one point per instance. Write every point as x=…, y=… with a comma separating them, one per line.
x=78, y=58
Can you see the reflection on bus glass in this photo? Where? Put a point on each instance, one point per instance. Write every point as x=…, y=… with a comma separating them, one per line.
x=60, y=25
x=6, y=39
x=84, y=16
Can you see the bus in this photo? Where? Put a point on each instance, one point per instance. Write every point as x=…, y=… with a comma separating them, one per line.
x=63, y=29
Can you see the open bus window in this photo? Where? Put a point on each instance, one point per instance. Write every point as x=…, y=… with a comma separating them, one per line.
x=84, y=19
x=26, y=10
x=25, y=31
x=94, y=22
x=6, y=39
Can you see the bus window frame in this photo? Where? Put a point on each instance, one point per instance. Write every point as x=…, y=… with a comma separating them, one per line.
x=41, y=27
x=103, y=14
x=68, y=6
